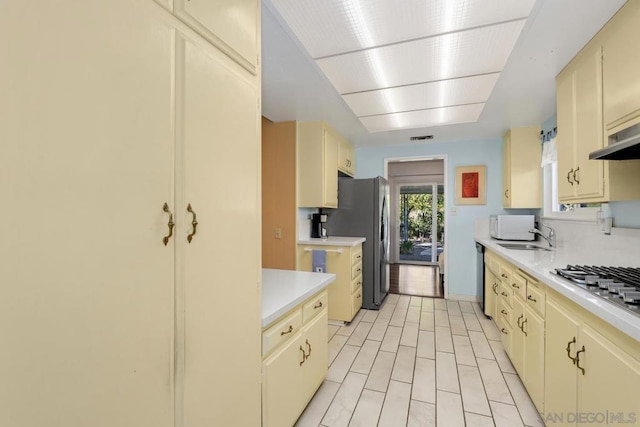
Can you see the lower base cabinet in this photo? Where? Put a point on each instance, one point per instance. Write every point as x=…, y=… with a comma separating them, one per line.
x=589, y=378
x=292, y=373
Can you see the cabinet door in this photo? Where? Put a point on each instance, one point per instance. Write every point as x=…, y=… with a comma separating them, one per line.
x=217, y=128
x=317, y=350
x=346, y=158
x=607, y=367
x=232, y=25
x=282, y=390
x=622, y=61
x=534, y=357
x=565, y=93
x=490, y=293
x=330, y=180
x=560, y=376
x=517, y=340
x=86, y=312
x=588, y=174
x=506, y=171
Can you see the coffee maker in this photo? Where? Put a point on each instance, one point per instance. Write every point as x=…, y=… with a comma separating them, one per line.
x=317, y=225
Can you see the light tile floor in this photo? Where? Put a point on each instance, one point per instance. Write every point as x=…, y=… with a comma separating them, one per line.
x=419, y=362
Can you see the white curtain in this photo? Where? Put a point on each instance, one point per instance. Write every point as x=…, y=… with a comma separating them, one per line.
x=549, y=152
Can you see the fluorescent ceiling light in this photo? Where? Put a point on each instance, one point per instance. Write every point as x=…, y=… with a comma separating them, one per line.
x=466, y=90
x=423, y=118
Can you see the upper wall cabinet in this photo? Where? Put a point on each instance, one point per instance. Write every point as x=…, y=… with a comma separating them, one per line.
x=621, y=80
x=232, y=25
x=521, y=178
x=317, y=165
x=346, y=158
x=581, y=88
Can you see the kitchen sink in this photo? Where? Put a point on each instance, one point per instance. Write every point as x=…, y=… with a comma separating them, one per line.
x=523, y=246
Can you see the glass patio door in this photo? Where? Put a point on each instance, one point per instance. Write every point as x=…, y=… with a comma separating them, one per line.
x=421, y=222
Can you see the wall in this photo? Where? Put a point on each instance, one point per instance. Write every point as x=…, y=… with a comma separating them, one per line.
x=460, y=270
x=278, y=194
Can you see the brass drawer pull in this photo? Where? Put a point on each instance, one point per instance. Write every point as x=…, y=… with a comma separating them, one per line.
x=170, y=224
x=504, y=331
x=309, y=346
x=504, y=312
x=318, y=305
x=530, y=298
x=304, y=356
x=504, y=276
x=578, y=359
x=287, y=332
x=522, y=327
x=358, y=296
x=515, y=285
x=519, y=319
x=573, y=359
x=504, y=294
x=194, y=223
x=506, y=193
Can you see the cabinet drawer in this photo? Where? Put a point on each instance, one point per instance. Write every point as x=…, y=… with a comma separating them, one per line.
x=505, y=334
x=314, y=307
x=356, y=283
x=535, y=298
x=519, y=285
x=356, y=256
x=356, y=271
x=506, y=314
x=494, y=266
x=281, y=331
x=357, y=301
x=505, y=273
x=505, y=293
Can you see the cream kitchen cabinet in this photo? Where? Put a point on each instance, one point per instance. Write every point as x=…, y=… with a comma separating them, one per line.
x=317, y=165
x=346, y=158
x=581, y=87
x=233, y=26
x=296, y=365
x=583, y=357
x=521, y=176
x=345, y=293
x=621, y=82
x=104, y=324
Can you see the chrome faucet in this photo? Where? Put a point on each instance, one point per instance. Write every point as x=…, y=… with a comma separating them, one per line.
x=551, y=238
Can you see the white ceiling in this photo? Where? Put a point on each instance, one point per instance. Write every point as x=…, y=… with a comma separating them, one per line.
x=297, y=82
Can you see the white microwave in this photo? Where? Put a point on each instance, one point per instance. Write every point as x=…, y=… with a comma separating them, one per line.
x=511, y=227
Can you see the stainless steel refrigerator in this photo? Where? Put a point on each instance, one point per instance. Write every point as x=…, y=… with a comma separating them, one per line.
x=363, y=211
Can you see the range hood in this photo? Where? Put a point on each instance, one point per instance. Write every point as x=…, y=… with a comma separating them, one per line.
x=624, y=145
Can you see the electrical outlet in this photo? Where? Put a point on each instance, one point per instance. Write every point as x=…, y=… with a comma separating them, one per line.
x=278, y=233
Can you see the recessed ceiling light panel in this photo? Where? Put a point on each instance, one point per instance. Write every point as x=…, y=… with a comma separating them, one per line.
x=479, y=51
x=329, y=27
x=466, y=90
x=423, y=118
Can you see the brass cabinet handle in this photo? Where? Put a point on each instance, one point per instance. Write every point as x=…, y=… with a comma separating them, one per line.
x=170, y=224
x=504, y=276
x=530, y=298
x=359, y=257
x=504, y=312
x=573, y=359
x=576, y=178
x=504, y=294
x=519, y=319
x=194, y=223
x=522, y=327
x=504, y=331
x=515, y=285
x=308, y=354
x=569, y=175
x=578, y=359
x=318, y=305
x=506, y=193
x=304, y=356
x=358, y=296
x=287, y=332
x=495, y=288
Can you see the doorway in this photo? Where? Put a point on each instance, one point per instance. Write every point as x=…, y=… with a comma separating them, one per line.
x=417, y=225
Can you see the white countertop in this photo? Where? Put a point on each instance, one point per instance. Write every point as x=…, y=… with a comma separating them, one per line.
x=539, y=264
x=333, y=241
x=282, y=290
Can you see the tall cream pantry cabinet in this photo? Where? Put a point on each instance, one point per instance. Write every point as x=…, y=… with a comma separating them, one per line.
x=124, y=300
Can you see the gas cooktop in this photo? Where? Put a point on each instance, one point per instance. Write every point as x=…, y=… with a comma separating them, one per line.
x=618, y=285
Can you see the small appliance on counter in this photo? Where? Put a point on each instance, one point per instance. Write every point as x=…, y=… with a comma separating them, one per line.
x=317, y=225
x=512, y=227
